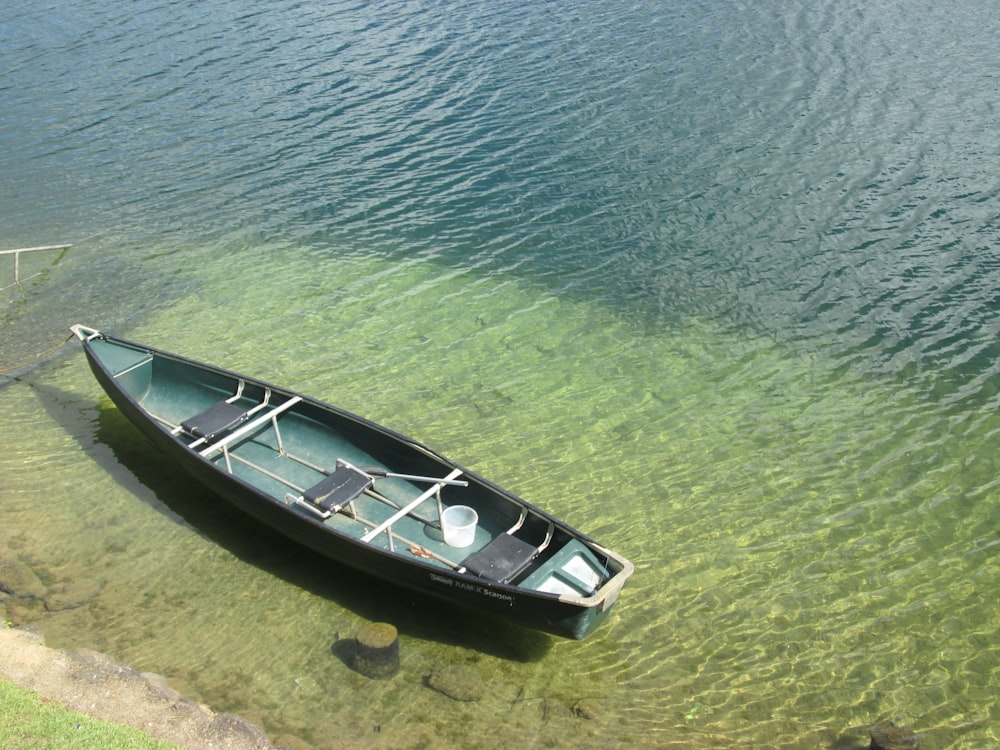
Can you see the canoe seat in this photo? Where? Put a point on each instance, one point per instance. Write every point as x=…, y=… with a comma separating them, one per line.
x=501, y=560
x=338, y=489
x=215, y=420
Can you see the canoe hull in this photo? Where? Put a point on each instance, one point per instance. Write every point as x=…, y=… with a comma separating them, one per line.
x=569, y=617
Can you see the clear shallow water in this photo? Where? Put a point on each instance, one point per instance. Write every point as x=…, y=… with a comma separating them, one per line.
x=714, y=283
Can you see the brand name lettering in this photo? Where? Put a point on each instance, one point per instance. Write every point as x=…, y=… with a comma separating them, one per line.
x=481, y=590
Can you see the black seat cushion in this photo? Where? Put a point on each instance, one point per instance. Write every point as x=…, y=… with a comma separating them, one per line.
x=501, y=559
x=216, y=419
x=338, y=488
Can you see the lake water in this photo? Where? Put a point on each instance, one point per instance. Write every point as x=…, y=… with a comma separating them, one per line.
x=716, y=282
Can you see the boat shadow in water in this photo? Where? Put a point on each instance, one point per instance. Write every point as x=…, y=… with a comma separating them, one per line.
x=129, y=459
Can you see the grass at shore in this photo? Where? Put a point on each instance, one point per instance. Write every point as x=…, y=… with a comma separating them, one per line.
x=27, y=721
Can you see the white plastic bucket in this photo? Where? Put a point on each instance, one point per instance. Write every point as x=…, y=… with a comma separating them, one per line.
x=458, y=523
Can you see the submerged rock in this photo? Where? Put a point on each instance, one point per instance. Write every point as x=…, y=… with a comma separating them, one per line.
x=72, y=595
x=226, y=728
x=887, y=736
x=587, y=708
x=160, y=687
x=17, y=579
x=291, y=742
x=457, y=682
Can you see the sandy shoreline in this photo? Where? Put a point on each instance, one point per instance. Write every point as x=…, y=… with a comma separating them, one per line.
x=91, y=683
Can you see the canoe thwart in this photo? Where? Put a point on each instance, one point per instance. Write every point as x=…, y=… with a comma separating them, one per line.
x=407, y=509
x=220, y=418
x=250, y=426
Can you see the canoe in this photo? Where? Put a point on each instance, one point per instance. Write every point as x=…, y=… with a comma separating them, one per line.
x=359, y=493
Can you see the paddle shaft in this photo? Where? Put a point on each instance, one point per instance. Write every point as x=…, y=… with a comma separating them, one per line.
x=415, y=478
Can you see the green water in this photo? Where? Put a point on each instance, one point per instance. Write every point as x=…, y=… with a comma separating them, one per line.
x=815, y=547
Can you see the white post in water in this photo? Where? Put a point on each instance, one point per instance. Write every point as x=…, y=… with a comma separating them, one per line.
x=17, y=257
